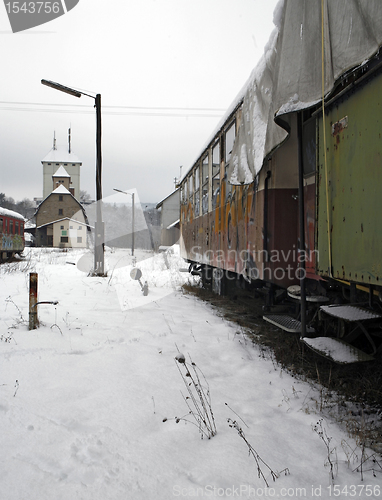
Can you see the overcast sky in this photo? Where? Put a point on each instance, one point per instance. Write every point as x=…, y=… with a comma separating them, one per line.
x=166, y=70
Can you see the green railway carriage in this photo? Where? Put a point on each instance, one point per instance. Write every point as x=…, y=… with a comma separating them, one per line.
x=349, y=188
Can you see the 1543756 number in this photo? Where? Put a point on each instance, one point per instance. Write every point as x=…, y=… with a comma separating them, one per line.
x=359, y=490
x=33, y=7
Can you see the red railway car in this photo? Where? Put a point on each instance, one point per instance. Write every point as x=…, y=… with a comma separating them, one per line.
x=11, y=233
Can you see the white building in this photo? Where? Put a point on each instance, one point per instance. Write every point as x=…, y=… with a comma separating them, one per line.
x=170, y=214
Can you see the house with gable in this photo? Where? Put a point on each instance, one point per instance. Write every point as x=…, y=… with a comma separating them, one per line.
x=60, y=218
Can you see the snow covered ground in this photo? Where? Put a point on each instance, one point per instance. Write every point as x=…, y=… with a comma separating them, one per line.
x=88, y=400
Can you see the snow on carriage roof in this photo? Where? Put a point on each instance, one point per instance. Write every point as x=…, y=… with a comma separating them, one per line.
x=10, y=213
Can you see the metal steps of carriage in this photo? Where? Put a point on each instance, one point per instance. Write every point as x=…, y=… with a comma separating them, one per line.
x=286, y=323
x=337, y=350
x=350, y=312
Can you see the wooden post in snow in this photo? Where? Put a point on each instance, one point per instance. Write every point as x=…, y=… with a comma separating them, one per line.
x=33, y=320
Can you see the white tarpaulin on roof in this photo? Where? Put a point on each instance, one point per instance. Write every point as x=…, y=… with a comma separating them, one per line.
x=289, y=76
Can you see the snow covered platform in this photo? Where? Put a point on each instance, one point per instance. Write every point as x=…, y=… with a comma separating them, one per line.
x=286, y=323
x=350, y=313
x=337, y=350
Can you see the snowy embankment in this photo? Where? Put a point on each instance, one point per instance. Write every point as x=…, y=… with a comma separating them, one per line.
x=84, y=397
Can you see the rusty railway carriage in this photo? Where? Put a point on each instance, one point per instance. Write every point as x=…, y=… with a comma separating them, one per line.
x=243, y=230
x=306, y=223
x=12, y=233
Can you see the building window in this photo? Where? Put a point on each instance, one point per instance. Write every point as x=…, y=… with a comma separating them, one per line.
x=64, y=239
x=62, y=227
x=60, y=198
x=79, y=228
x=79, y=239
x=60, y=211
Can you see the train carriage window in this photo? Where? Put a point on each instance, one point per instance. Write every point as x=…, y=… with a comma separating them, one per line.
x=191, y=187
x=16, y=227
x=11, y=227
x=197, y=191
x=183, y=191
x=216, y=160
x=1, y=225
x=22, y=228
x=230, y=135
x=205, y=169
x=229, y=140
x=215, y=174
x=205, y=184
x=187, y=189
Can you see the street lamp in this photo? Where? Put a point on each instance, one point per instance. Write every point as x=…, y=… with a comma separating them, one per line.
x=132, y=222
x=99, y=243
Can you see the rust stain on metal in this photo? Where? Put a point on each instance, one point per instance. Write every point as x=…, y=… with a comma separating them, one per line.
x=338, y=127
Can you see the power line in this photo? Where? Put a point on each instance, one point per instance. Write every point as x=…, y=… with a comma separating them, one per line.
x=113, y=110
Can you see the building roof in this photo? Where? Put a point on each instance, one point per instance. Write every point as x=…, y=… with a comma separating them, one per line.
x=177, y=191
x=64, y=218
x=61, y=172
x=61, y=189
x=60, y=155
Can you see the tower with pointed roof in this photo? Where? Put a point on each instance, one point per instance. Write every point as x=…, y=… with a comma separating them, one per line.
x=61, y=166
x=60, y=218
